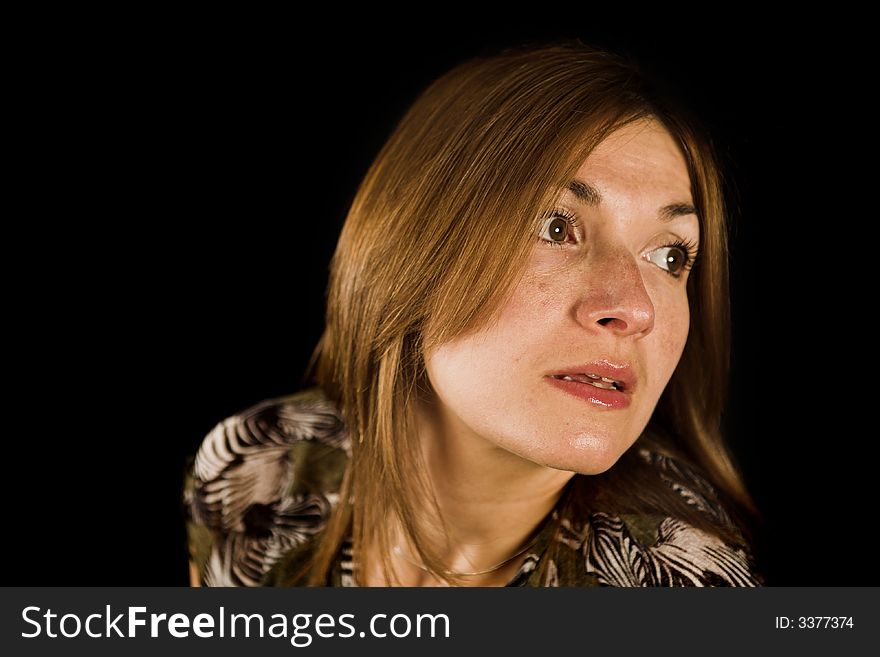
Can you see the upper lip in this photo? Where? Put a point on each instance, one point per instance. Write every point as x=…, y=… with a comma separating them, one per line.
x=622, y=373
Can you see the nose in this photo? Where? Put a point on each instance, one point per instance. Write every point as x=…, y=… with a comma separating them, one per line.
x=614, y=297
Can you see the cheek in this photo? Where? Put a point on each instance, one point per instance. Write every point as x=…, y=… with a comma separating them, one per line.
x=672, y=332
x=493, y=369
x=517, y=330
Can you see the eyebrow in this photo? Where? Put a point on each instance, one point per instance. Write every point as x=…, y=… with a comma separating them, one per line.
x=585, y=192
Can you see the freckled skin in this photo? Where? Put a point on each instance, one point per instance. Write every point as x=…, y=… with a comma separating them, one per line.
x=494, y=400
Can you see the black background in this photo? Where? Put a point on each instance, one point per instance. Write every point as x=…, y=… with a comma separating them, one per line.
x=178, y=194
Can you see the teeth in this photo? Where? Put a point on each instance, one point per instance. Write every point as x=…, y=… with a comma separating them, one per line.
x=595, y=380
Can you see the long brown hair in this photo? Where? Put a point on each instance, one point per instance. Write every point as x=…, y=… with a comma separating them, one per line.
x=477, y=159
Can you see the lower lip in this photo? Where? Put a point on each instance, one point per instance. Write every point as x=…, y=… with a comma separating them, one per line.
x=589, y=393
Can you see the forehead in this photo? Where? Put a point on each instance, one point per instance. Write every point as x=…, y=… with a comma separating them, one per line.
x=641, y=157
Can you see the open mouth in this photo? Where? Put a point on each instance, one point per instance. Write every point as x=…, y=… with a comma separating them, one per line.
x=595, y=380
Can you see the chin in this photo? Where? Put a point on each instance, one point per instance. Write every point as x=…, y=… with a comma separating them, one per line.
x=591, y=455
x=588, y=455
x=593, y=468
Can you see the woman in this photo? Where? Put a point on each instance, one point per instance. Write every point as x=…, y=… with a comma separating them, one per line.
x=524, y=363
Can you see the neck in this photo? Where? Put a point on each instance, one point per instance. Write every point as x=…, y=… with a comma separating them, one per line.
x=492, y=500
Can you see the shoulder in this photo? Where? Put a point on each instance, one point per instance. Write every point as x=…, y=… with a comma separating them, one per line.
x=263, y=482
x=654, y=549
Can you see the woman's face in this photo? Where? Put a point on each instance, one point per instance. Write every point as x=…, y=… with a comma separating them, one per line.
x=605, y=297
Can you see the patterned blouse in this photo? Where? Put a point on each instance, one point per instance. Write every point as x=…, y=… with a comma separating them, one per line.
x=259, y=490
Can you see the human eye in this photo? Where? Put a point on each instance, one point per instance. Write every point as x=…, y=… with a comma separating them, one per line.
x=558, y=222
x=675, y=258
